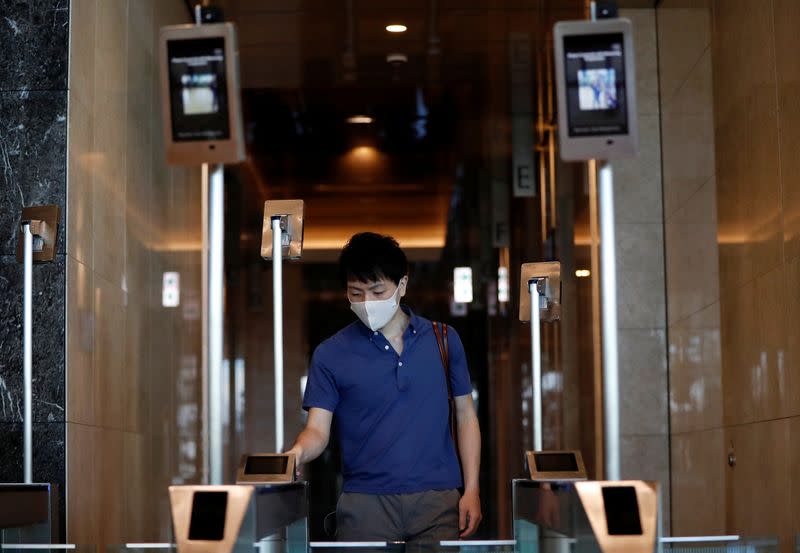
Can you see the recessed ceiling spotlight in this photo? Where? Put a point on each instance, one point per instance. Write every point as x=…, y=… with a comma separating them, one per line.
x=360, y=120
x=396, y=28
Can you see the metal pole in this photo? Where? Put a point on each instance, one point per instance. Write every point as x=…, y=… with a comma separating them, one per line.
x=204, y=350
x=216, y=321
x=27, y=356
x=608, y=282
x=536, y=364
x=277, y=301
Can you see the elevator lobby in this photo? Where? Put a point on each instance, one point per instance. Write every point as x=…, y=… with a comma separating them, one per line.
x=412, y=119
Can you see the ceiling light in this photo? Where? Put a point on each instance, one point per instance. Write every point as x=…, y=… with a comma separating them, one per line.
x=583, y=273
x=360, y=120
x=396, y=28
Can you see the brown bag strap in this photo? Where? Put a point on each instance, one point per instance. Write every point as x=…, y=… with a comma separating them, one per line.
x=444, y=352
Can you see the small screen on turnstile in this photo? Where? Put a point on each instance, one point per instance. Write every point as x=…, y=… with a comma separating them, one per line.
x=555, y=462
x=266, y=465
x=622, y=511
x=208, y=516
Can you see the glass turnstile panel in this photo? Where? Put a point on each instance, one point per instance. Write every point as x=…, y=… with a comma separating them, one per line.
x=46, y=548
x=27, y=514
x=719, y=544
x=549, y=518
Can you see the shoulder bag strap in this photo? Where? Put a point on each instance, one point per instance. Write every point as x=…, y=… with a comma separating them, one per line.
x=444, y=352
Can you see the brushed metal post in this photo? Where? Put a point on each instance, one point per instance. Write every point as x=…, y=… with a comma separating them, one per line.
x=277, y=302
x=27, y=355
x=216, y=320
x=536, y=365
x=608, y=283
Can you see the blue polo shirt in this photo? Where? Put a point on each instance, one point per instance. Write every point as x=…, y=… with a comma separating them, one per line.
x=391, y=409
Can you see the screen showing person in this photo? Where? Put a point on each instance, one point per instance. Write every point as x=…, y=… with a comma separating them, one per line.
x=594, y=67
x=200, y=93
x=198, y=89
x=597, y=89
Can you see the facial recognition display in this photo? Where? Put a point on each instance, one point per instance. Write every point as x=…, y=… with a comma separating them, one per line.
x=200, y=94
x=198, y=89
x=595, y=78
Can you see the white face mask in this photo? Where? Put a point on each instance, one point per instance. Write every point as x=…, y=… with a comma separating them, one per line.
x=376, y=314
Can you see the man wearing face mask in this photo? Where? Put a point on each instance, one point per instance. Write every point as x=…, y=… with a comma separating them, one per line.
x=383, y=378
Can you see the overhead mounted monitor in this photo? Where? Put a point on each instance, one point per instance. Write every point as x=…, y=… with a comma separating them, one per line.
x=262, y=468
x=201, y=109
x=556, y=466
x=596, y=85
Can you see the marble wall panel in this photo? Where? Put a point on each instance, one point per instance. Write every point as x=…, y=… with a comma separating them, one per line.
x=37, y=31
x=643, y=380
x=640, y=276
x=48, y=336
x=637, y=181
x=33, y=159
x=647, y=458
x=33, y=147
x=646, y=59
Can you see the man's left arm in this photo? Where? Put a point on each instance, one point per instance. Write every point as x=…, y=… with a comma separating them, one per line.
x=469, y=449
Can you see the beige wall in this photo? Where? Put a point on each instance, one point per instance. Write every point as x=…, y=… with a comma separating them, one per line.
x=132, y=366
x=731, y=127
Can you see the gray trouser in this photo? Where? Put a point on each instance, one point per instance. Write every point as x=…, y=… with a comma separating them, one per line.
x=424, y=517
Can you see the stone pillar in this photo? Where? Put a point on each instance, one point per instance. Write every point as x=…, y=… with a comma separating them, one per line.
x=641, y=295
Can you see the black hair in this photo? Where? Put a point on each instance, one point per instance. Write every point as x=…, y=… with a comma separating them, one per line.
x=368, y=256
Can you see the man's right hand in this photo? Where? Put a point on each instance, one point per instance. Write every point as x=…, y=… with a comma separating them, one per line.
x=313, y=440
x=297, y=451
